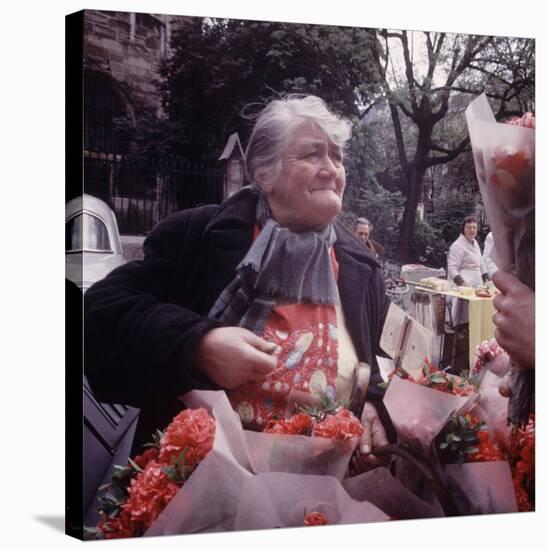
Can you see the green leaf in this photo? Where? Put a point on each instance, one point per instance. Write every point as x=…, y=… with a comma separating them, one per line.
x=470, y=450
x=383, y=385
x=135, y=466
x=443, y=445
x=173, y=473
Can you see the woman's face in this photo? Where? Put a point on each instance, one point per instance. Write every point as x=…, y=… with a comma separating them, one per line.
x=470, y=230
x=307, y=193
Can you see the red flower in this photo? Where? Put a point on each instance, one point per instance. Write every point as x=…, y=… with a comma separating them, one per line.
x=120, y=527
x=522, y=460
x=486, y=351
x=149, y=493
x=343, y=425
x=144, y=458
x=299, y=424
x=315, y=518
x=487, y=450
x=193, y=429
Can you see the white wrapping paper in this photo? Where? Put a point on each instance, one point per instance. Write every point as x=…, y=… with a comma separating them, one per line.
x=252, y=480
x=504, y=158
x=419, y=413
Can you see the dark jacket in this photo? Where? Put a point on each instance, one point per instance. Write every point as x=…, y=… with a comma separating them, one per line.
x=143, y=321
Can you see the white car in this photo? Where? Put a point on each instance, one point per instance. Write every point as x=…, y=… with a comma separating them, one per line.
x=92, y=250
x=92, y=241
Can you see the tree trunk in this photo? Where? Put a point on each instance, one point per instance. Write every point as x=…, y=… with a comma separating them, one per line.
x=416, y=171
x=407, y=227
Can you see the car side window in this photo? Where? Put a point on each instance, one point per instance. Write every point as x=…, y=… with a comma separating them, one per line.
x=86, y=232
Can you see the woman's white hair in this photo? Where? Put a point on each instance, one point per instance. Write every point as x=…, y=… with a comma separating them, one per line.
x=275, y=126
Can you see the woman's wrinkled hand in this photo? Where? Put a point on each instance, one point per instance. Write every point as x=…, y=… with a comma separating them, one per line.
x=374, y=436
x=232, y=356
x=515, y=319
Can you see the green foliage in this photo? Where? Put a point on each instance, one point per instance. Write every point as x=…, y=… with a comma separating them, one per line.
x=221, y=72
x=221, y=69
x=178, y=471
x=459, y=439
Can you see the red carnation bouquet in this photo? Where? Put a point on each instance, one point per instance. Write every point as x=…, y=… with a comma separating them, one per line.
x=317, y=440
x=420, y=408
x=139, y=492
x=205, y=473
x=460, y=424
x=440, y=415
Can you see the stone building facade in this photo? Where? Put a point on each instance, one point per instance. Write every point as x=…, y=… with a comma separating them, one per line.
x=122, y=56
x=122, y=52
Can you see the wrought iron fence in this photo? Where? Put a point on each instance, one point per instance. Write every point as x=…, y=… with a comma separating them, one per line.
x=144, y=191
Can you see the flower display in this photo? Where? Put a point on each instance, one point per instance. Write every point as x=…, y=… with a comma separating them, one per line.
x=341, y=424
x=193, y=430
x=139, y=492
x=437, y=379
x=299, y=424
x=465, y=439
x=522, y=460
x=149, y=493
x=315, y=518
x=486, y=352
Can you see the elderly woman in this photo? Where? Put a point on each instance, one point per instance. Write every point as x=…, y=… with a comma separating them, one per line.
x=266, y=296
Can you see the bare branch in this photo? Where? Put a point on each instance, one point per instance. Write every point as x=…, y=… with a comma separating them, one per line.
x=439, y=149
x=450, y=155
x=409, y=70
x=406, y=111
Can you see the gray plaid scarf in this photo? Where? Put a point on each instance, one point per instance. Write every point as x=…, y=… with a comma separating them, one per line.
x=280, y=267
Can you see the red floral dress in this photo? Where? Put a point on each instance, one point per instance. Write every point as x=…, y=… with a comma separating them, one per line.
x=307, y=352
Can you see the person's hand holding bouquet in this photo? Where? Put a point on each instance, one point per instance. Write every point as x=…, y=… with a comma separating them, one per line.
x=515, y=319
x=504, y=157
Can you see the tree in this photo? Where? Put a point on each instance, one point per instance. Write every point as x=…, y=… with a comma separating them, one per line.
x=221, y=69
x=456, y=68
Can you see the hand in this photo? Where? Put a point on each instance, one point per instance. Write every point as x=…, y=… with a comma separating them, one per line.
x=232, y=356
x=515, y=319
x=373, y=436
x=458, y=279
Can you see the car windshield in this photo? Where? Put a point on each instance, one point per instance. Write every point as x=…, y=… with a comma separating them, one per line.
x=86, y=232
